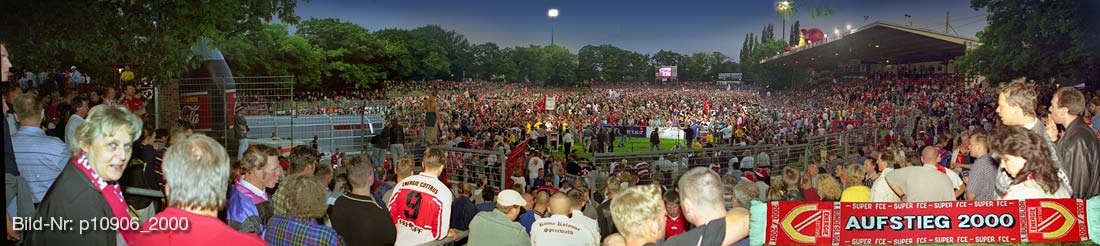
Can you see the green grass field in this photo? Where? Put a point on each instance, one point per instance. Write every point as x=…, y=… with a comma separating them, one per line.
x=632, y=145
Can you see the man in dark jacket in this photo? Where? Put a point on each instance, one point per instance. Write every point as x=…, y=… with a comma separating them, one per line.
x=1016, y=102
x=603, y=211
x=397, y=139
x=463, y=209
x=612, y=134
x=601, y=141
x=379, y=144
x=654, y=140
x=1078, y=148
x=689, y=135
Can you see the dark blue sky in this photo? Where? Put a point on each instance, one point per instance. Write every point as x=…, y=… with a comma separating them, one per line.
x=644, y=26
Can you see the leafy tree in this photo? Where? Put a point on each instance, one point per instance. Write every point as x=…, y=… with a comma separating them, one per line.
x=610, y=63
x=506, y=65
x=589, y=64
x=744, y=54
x=794, y=33
x=765, y=35
x=272, y=51
x=560, y=65
x=528, y=61
x=483, y=56
x=1040, y=40
x=353, y=57
x=156, y=35
x=442, y=53
x=667, y=58
x=772, y=74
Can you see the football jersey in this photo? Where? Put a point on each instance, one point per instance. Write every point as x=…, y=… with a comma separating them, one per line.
x=421, y=208
x=674, y=226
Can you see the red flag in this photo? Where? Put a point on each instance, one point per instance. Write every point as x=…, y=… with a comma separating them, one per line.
x=541, y=104
x=515, y=161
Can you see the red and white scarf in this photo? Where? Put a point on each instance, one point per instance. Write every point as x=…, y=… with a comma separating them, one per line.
x=111, y=192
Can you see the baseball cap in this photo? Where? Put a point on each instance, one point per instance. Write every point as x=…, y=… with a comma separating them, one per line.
x=761, y=172
x=510, y=198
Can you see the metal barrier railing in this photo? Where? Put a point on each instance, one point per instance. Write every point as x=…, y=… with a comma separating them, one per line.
x=775, y=158
x=471, y=165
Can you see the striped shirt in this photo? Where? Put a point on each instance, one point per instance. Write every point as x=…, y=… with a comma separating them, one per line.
x=41, y=158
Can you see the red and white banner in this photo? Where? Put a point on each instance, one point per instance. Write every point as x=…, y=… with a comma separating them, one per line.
x=1040, y=220
x=516, y=161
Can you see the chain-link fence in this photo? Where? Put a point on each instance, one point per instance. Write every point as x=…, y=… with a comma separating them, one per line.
x=211, y=104
x=474, y=166
x=270, y=112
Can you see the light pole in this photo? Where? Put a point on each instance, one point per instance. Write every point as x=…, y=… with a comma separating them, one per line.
x=784, y=7
x=553, y=14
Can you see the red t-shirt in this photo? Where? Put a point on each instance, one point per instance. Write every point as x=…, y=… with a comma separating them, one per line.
x=174, y=226
x=811, y=195
x=674, y=226
x=134, y=104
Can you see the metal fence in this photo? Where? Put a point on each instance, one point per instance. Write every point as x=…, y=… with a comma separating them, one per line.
x=272, y=113
x=209, y=103
x=345, y=133
x=471, y=166
x=668, y=165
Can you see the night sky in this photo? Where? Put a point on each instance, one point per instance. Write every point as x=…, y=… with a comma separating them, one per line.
x=644, y=26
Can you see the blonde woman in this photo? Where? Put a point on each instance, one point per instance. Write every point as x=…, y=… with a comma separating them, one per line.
x=856, y=191
x=828, y=188
x=87, y=188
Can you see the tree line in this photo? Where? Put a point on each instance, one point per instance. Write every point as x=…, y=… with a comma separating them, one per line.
x=776, y=75
x=333, y=53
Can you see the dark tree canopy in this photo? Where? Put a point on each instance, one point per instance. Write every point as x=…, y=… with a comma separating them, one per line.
x=1041, y=40
x=156, y=35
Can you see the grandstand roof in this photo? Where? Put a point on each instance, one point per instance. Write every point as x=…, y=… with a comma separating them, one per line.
x=896, y=44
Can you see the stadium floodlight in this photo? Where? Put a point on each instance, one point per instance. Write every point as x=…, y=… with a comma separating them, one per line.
x=783, y=5
x=553, y=14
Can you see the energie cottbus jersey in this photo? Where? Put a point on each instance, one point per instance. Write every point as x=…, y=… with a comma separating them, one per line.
x=421, y=208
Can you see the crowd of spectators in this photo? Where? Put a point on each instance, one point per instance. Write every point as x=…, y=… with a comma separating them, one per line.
x=974, y=142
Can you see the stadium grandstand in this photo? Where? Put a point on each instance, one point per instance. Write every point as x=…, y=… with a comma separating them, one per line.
x=878, y=46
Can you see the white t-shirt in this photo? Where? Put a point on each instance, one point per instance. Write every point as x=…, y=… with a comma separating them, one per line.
x=763, y=160
x=583, y=220
x=747, y=162
x=954, y=177
x=561, y=230
x=421, y=208
x=521, y=181
x=533, y=167
x=881, y=191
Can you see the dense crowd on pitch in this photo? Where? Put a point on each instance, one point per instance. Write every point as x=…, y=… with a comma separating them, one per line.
x=977, y=144
x=734, y=115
